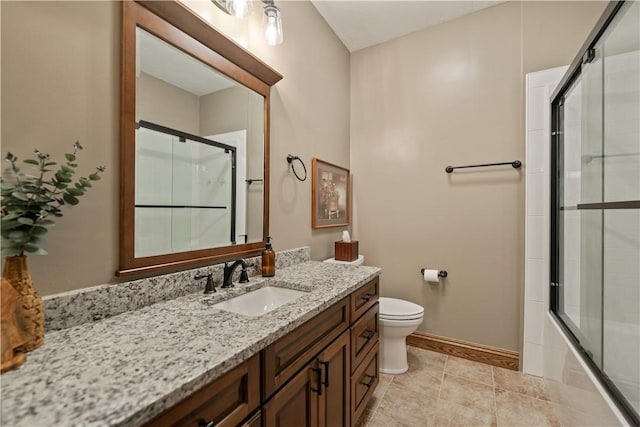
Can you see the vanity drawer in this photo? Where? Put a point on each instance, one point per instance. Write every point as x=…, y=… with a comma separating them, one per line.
x=364, y=298
x=364, y=382
x=364, y=335
x=285, y=357
x=225, y=402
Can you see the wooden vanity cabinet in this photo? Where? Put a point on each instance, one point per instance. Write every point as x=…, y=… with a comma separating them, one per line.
x=225, y=402
x=285, y=357
x=321, y=374
x=318, y=395
x=335, y=384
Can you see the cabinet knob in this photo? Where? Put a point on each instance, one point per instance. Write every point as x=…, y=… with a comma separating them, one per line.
x=368, y=334
x=369, y=382
x=367, y=296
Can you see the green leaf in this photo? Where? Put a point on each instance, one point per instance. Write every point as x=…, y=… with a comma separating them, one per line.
x=11, y=250
x=35, y=250
x=25, y=221
x=94, y=177
x=37, y=240
x=62, y=177
x=66, y=170
x=50, y=163
x=74, y=192
x=73, y=165
x=39, y=231
x=20, y=195
x=18, y=236
x=70, y=157
x=68, y=198
x=31, y=162
x=10, y=224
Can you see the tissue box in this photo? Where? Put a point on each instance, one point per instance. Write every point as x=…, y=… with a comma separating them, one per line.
x=346, y=251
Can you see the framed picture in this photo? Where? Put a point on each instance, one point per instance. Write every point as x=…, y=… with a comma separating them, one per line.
x=331, y=195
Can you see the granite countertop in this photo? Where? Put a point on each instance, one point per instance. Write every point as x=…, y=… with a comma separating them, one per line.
x=126, y=369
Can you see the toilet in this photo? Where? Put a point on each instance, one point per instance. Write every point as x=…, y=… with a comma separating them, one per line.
x=398, y=319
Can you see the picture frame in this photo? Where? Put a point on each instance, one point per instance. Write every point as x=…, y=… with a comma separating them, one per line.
x=330, y=195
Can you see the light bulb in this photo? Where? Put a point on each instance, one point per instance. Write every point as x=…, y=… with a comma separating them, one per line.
x=272, y=25
x=239, y=8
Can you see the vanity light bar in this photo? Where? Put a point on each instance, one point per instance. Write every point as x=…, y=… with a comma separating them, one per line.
x=272, y=21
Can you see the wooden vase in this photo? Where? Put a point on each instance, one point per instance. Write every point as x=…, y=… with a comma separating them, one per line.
x=17, y=273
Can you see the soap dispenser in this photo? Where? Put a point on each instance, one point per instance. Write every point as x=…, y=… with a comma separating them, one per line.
x=268, y=260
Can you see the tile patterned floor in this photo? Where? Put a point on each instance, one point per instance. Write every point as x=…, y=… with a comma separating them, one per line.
x=441, y=390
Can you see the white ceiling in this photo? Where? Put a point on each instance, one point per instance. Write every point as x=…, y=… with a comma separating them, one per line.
x=163, y=61
x=363, y=23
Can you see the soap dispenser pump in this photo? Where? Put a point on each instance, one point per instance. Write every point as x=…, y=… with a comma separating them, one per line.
x=268, y=260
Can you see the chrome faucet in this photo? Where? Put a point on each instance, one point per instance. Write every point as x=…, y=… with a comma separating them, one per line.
x=210, y=287
x=228, y=273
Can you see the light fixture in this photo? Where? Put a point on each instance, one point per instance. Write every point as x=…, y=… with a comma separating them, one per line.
x=272, y=20
x=240, y=8
x=272, y=24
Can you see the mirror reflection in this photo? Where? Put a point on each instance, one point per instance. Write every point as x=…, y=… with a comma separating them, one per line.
x=199, y=154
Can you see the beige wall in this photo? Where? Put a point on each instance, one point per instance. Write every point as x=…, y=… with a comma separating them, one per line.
x=453, y=95
x=165, y=104
x=61, y=82
x=235, y=109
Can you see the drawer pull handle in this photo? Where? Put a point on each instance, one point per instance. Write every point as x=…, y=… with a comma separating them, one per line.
x=326, y=373
x=368, y=334
x=318, y=372
x=367, y=296
x=369, y=382
x=205, y=423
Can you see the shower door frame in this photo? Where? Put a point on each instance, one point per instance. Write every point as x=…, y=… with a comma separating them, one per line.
x=573, y=74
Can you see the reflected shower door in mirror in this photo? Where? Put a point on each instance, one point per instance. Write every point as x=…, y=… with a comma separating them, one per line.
x=185, y=189
x=194, y=142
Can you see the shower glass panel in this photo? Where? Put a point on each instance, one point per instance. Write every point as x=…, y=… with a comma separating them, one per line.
x=596, y=208
x=184, y=193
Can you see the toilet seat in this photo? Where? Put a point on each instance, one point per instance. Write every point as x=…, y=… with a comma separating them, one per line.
x=397, y=309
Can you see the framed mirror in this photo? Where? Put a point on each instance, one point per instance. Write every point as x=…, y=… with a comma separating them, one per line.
x=194, y=149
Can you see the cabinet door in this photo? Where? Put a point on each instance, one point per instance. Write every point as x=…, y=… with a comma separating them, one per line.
x=296, y=404
x=335, y=365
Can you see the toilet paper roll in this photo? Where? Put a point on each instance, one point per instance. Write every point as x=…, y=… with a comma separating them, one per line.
x=430, y=275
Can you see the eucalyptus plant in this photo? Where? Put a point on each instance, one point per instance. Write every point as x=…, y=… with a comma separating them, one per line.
x=30, y=202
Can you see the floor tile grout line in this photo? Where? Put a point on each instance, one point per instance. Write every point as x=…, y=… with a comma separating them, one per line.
x=524, y=394
x=444, y=369
x=469, y=379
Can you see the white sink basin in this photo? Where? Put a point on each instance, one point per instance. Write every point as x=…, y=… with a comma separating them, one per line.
x=259, y=302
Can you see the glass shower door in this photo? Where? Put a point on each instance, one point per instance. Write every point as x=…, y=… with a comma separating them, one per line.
x=596, y=214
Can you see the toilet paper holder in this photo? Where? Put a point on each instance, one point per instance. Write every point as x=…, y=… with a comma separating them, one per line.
x=441, y=273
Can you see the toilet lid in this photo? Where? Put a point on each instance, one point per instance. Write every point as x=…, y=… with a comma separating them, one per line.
x=393, y=308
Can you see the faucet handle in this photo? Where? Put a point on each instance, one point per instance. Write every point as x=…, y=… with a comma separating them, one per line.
x=244, y=276
x=210, y=287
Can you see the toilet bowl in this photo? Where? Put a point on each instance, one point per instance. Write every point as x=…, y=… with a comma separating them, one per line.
x=398, y=319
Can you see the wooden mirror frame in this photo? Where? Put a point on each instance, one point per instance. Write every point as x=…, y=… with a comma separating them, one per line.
x=174, y=23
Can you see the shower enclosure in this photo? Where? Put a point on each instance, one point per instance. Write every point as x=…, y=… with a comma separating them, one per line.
x=595, y=253
x=185, y=191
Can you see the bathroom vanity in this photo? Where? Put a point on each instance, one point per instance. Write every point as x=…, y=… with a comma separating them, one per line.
x=312, y=361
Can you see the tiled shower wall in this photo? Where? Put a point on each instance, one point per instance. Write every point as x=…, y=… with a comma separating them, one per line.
x=577, y=396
